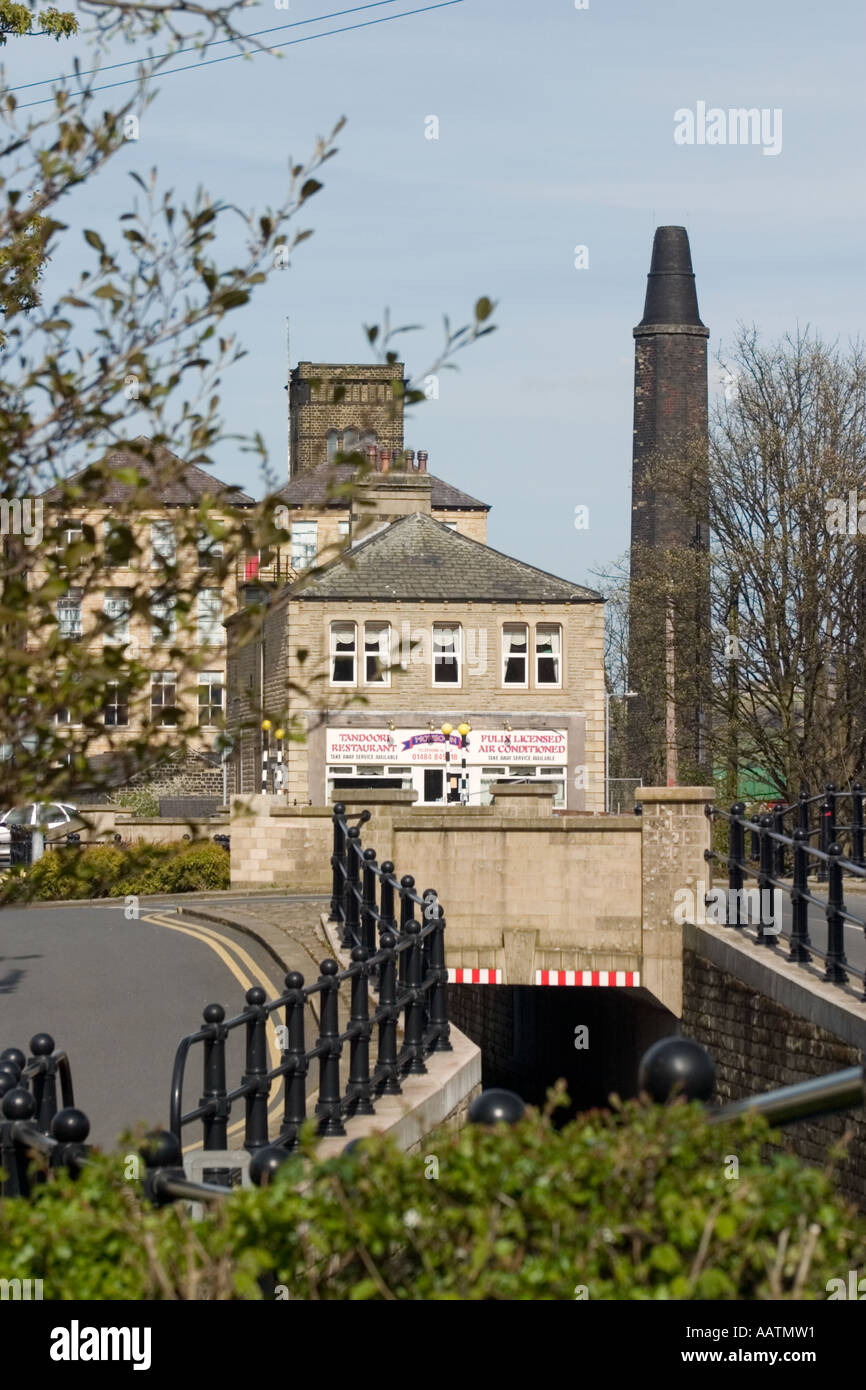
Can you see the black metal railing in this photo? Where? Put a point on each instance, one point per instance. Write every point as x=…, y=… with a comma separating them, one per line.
x=31, y=1125
x=405, y=966
x=781, y=864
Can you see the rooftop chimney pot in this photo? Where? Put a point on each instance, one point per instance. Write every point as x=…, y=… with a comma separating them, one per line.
x=384, y=463
x=422, y=460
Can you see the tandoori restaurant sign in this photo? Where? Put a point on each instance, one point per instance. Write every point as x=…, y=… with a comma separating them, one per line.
x=413, y=746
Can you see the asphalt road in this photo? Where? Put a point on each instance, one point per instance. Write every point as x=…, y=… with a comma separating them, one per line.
x=118, y=995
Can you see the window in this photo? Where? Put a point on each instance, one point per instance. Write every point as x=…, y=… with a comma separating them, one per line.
x=117, y=605
x=377, y=653
x=115, y=711
x=304, y=544
x=210, y=698
x=209, y=550
x=446, y=654
x=69, y=613
x=64, y=715
x=163, y=698
x=163, y=545
x=333, y=445
x=515, y=649
x=450, y=525
x=210, y=618
x=350, y=441
x=342, y=528
x=548, y=646
x=342, y=653
x=119, y=543
x=163, y=623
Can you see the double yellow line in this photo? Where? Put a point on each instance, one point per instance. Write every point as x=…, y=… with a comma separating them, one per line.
x=247, y=973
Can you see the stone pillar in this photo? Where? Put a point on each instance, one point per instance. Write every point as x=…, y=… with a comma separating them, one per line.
x=674, y=834
x=529, y=798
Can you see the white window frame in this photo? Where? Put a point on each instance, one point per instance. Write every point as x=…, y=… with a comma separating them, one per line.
x=162, y=606
x=333, y=654
x=209, y=617
x=215, y=678
x=343, y=528
x=159, y=680
x=121, y=599
x=457, y=630
x=304, y=555
x=73, y=601
x=208, y=549
x=116, y=703
x=555, y=628
x=508, y=628
x=162, y=553
x=381, y=629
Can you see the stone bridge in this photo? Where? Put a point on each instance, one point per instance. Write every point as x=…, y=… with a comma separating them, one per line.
x=566, y=950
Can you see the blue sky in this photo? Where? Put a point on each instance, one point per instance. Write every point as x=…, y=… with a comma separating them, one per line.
x=555, y=129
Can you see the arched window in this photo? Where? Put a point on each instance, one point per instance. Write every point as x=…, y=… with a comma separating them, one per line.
x=350, y=440
x=333, y=444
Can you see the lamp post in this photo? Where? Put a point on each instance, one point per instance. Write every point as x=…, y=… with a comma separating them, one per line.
x=446, y=730
x=266, y=725
x=463, y=730
x=279, y=782
x=628, y=695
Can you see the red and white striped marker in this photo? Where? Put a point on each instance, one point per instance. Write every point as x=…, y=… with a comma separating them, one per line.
x=629, y=979
x=460, y=976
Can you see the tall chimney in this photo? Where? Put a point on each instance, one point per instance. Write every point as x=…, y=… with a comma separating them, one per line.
x=422, y=460
x=410, y=460
x=384, y=461
x=668, y=640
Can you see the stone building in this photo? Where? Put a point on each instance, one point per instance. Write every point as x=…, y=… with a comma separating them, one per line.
x=413, y=623
x=103, y=615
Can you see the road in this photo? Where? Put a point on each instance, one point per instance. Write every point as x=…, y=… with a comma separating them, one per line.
x=855, y=938
x=118, y=995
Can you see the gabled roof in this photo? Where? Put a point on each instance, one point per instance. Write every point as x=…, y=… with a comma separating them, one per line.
x=419, y=558
x=310, y=488
x=170, y=481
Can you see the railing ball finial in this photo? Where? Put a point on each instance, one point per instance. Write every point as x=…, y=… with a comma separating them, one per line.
x=294, y=980
x=160, y=1149
x=353, y=833
x=387, y=867
x=255, y=995
x=265, y=1164
x=14, y=1055
x=213, y=1013
x=738, y=808
x=496, y=1107
x=8, y=1083
x=70, y=1126
x=339, y=808
x=329, y=967
x=18, y=1104
x=42, y=1045
x=676, y=1064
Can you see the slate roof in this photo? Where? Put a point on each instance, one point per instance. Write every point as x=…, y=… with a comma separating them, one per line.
x=419, y=558
x=310, y=489
x=171, y=481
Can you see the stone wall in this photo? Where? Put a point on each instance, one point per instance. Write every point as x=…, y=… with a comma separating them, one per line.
x=768, y=1024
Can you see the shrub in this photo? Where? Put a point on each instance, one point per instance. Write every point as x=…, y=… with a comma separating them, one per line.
x=628, y=1204
x=107, y=871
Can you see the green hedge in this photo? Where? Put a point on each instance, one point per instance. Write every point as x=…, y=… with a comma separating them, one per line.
x=636, y=1203
x=109, y=871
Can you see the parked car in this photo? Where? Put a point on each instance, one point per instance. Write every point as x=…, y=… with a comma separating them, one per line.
x=54, y=818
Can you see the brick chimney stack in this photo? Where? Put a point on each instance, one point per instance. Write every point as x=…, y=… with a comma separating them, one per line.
x=668, y=644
